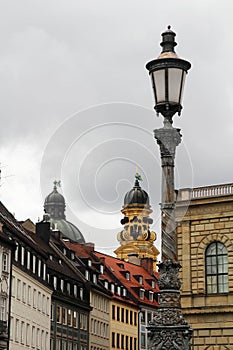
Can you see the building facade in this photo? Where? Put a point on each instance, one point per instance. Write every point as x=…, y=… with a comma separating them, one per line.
x=30, y=295
x=99, y=319
x=134, y=300
x=70, y=300
x=205, y=251
x=6, y=251
x=30, y=312
x=30, y=292
x=49, y=298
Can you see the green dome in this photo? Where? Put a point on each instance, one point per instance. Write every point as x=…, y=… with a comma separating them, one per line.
x=68, y=230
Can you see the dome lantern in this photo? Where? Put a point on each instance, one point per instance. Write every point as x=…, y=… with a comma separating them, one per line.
x=136, y=196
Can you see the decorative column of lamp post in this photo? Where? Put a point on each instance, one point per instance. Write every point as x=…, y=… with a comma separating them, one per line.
x=168, y=330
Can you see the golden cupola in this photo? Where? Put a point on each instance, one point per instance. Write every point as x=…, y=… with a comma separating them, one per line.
x=136, y=237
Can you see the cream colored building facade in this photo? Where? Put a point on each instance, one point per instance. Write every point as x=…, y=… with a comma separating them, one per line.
x=205, y=251
x=99, y=321
x=30, y=312
x=123, y=325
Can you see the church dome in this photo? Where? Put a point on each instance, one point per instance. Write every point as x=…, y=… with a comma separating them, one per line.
x=136, y=195
x=55, y=198
x=67, y=229
x=55, y=205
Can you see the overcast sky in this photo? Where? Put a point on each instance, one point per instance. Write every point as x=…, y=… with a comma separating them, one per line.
x=76, y=104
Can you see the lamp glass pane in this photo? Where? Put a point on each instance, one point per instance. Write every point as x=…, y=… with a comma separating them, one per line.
x=153, y=86
x=182, y=87
x=174, y=84
x=159, y=79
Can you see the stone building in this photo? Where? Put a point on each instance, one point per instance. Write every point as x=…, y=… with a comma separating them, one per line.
x=7, y=247
x=205, y=251
x=30, y=293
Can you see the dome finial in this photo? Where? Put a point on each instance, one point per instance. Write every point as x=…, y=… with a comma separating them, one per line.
x=56, y=184
x=137, y=178
x=168, y=43
x=136, y=196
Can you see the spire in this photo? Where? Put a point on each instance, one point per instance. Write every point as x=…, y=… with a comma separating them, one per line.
x=56, y=184
x=137, y=179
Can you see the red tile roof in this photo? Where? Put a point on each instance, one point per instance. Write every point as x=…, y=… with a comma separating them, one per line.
x=115, y=272
x=119, y=267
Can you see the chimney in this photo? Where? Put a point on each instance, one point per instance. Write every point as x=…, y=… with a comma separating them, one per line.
x=102, y=260
x=147, y=264
x=89, y=246
x=43, y=231
x=134, y=259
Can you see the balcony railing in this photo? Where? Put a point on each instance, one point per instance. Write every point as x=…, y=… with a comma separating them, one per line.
x=205, y=192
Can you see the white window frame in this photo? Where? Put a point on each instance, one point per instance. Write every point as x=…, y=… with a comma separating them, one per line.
x=94, y=278
x=3, y=309
x=28, y=259
x=34, y=264
x=39, y=268
x=81, y=293
x=17, y=251
x=87, y=275
x=142, y=293
x=22, y=255
x=5, y=262
x=151, y=295
x=44, y=271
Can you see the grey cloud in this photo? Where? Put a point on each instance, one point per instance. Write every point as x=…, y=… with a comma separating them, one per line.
x=59, y=57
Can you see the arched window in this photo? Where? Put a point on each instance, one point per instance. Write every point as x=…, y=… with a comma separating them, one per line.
x=216, y=261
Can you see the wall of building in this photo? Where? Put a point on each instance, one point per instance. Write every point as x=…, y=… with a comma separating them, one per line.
x=30, y=312
x=69, y=326
x=99, y=321
x=5, y=268
x=123, y=326
x=208, y=219
x=145, y=316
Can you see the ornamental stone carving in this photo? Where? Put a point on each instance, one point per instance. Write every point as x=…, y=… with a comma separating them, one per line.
x=171, y=339
x=168, y=298
x=169, y=278
x=168, y=138
x=169, y=317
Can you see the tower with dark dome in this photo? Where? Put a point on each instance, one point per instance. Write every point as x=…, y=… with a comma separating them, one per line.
x=136, y=237
x=54, y=205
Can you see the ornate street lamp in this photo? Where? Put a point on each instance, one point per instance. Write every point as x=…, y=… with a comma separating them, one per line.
x=168, y=74
x=168, y=330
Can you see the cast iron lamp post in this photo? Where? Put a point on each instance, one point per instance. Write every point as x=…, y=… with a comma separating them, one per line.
x=168, y=330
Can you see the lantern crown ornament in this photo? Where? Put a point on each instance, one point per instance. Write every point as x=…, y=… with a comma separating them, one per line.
x=168, y=74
